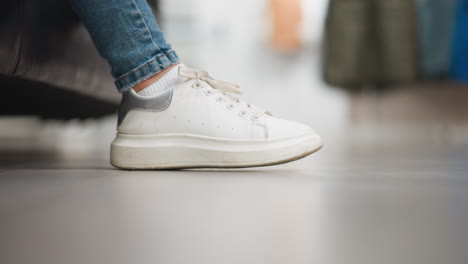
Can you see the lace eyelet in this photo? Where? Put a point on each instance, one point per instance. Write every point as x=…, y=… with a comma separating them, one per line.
x=209, y=92
x=243, y=113
x=219, y=99
x=230, y=106
x=197, y=85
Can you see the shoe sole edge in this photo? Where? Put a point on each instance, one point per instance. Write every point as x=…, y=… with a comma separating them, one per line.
x=158, y=152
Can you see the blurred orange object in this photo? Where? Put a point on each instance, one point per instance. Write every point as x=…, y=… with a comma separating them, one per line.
x=287, y=16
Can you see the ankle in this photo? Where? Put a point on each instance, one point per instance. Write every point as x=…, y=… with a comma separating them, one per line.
x=144, y=84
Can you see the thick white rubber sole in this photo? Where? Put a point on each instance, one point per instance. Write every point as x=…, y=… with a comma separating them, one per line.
x=177, y=151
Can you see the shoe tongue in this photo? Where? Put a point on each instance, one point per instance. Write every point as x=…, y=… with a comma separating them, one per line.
x=180, y=78
x=186, y=72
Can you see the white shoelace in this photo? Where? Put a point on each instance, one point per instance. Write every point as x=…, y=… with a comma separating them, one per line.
x=225, y=91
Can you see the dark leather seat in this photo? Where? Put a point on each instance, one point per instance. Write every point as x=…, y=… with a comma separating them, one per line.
x=48, y=64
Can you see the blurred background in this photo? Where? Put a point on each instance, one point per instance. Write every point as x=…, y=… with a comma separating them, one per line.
x=384, y=82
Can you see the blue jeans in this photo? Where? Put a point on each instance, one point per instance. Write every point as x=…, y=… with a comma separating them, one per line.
x=126, y=34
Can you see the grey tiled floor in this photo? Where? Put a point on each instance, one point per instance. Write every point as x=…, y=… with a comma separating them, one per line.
x=401, y=205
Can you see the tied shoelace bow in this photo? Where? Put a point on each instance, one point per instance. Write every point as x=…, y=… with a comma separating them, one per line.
x=226, y=88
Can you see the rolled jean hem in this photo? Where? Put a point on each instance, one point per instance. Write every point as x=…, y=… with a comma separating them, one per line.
x=146, y=70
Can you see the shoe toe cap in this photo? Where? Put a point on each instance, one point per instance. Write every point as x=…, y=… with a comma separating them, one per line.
x=280, y=128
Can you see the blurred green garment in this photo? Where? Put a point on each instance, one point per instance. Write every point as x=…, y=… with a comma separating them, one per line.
x=371, y=42
x=436, y=26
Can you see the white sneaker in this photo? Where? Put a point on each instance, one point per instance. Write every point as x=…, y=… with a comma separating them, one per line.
x=199, y=124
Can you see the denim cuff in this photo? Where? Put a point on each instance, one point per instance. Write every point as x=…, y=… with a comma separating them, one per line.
x=145, y=71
